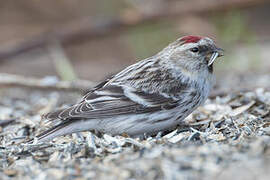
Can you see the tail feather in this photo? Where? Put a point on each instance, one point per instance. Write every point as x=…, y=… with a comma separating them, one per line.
x=49, y=134
x=52, y=132
x=64, y=128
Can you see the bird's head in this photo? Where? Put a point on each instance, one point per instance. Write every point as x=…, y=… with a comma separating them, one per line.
x=194, y=53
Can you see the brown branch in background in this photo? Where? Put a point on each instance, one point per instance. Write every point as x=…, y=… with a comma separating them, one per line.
x=83, y=86
x=8, y=80
x=90, y=29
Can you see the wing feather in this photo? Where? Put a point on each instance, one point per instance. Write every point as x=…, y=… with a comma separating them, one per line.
x=113, y=100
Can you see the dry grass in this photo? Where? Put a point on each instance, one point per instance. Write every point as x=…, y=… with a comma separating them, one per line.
x=228, y=137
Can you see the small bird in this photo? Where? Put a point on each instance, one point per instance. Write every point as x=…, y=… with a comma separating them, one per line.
x=152, y=95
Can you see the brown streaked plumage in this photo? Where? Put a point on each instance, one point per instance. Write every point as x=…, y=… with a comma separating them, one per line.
x=149, y=96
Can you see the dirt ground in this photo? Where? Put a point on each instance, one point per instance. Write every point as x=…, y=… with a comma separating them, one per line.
x=228, y=137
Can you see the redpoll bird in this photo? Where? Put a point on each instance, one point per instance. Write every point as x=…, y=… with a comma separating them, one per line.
x=152, y=95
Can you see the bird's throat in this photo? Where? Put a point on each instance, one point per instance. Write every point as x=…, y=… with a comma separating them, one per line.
x=210, y=68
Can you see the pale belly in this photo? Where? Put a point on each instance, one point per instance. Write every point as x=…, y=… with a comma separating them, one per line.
x=149, y=123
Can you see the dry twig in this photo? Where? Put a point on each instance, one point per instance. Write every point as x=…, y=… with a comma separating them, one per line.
x=82, y=86
x=8, y=80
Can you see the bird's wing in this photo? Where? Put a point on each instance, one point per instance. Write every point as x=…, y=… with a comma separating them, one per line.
x=113, y=100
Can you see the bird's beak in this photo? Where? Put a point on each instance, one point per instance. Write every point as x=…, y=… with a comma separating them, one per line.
x=217, y=52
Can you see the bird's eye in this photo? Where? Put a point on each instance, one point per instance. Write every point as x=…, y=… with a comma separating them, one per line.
x=194, y=49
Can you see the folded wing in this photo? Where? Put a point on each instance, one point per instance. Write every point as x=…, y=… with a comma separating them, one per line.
x=112, y=101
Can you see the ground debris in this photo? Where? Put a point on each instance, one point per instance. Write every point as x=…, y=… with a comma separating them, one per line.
x=228, y=137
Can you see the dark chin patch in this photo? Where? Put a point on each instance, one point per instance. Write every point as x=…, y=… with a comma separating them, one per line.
x=210, y=68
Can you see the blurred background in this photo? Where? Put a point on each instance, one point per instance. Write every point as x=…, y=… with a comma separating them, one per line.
x=94, y=39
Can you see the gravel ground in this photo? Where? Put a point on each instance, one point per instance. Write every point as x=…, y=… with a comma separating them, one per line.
x=228, y=137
